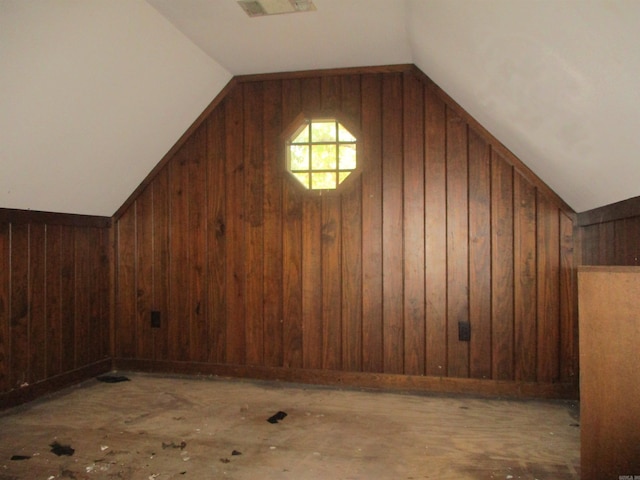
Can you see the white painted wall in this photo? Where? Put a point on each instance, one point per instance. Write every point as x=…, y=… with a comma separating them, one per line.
x=92, y=95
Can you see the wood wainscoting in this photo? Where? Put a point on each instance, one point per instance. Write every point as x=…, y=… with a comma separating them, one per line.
x=444, y=225
x=55, y=276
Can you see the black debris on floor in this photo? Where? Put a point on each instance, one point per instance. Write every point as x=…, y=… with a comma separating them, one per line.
x=113, y=379
x=276, y=417
x=180, y=445
x=60, y=450
x=236, y=452
x=20, y=457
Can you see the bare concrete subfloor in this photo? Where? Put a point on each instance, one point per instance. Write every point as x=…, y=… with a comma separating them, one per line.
x=158, y=427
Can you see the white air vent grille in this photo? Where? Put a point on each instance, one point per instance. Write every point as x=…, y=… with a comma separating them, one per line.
x=260, y=8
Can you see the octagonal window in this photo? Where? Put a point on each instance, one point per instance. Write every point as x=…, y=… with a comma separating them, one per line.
x=321, y=154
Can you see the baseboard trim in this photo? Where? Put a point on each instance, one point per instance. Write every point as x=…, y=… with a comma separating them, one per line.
x=31, y=392
x=374, y=381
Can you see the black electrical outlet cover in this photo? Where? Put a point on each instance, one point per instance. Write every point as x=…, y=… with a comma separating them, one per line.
x=155, y=319
x=464, y=331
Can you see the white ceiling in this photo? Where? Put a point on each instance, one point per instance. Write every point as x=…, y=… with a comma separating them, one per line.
x=93, y=94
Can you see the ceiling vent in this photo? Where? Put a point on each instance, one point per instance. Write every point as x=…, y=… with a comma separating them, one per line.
x=260, y=8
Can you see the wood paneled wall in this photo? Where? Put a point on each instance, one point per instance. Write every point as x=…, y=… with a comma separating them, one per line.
x=444, y=225
x=54, y=301
x=610, y=235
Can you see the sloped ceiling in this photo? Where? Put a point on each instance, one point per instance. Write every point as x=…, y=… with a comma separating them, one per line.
x=93, y=94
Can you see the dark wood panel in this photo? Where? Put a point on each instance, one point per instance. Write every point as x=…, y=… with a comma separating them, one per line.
x=5, y=307
x=525, y=265
x=179, y=236
x=331, y=242
x=19, y=318
x=198, y=302
x=38, y=340
x=435, y=234
x=160, y=259
x=125, y=315
x=502, y=300
x=144, y=274
x=457, y=244
x=85, y=275
x=392, y=216
x=479, y=257
x=53, y=300
x=548, y=246
x=254, y=200
x=235, y=212
x=312, y=294
x=67, y=294
x=217, y=235
x=413, y=223
x=372, y=224
x=292, y=211
x=568, y=303
x=272, y=229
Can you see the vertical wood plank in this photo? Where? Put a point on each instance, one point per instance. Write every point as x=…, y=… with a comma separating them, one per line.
x=435, y=234
x=273, y=225
x=105, y=283
x=161, y=283
x=414, y=214
x=217, y=236
x=254, y=202
x=548, y=286
x=331, y=240
x=198, y=304
x=292, y=310
x=5, y=307
x=68, y=308
x=351, y=248
x=331, y=283
x=125, y=325
x=38, y=340
x=372, y=224
x=19, y=304
x=479, y=257
x=524, y=256
x=235, y=213
x=312, y=294
x=144, y=273
x=179, y=305
x=568, y=309
x=392, y=224
x=53, y=300
x=457, y=244
x=82, y=294
x=502, y=268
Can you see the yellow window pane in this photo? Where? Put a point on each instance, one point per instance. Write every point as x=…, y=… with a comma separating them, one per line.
x=323, y=157
x=299, y=157
x=303, y=178
x=342, y=176
x=323, y=180
x=345, y=135
x=302, y=136
x=348, y=157
x=323, y=131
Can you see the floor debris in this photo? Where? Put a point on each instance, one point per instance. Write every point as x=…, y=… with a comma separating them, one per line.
x=60, y=450
x=276, y=417
x=23, y=457
x=180, y=445
x=236, y=452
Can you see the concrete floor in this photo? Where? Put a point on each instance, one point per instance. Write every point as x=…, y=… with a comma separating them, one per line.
x=156, y=428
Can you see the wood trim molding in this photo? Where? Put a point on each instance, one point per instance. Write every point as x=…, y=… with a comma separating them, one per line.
x=10, y=215
x=37, y=390
x=374, y=381
x=610, y=213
